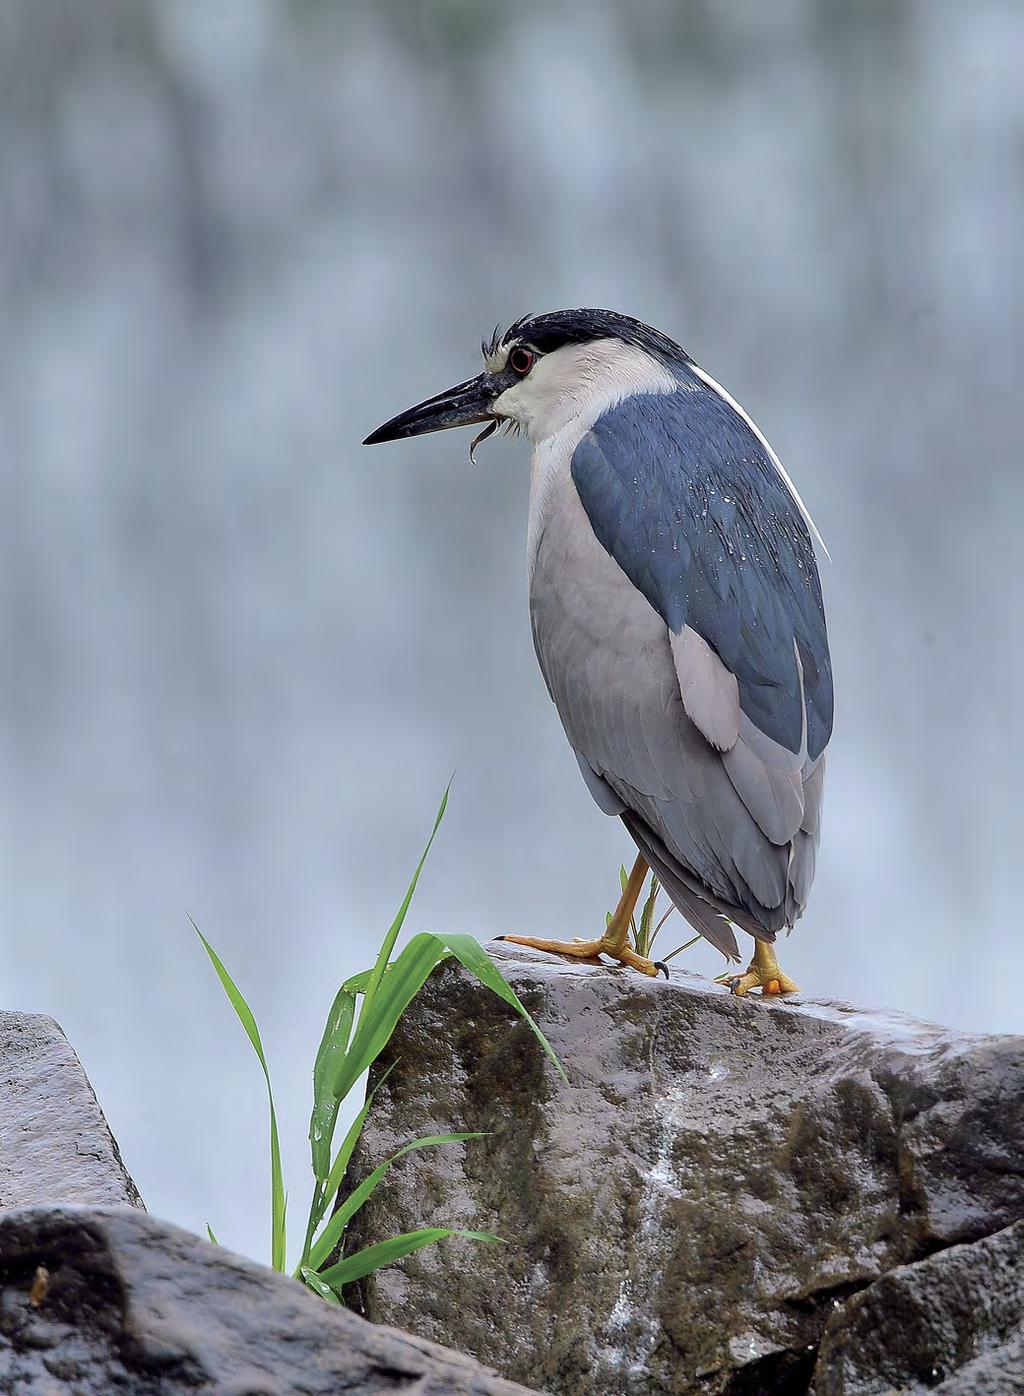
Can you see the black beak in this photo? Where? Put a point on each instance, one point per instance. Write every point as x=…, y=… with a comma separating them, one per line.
x=460, y=406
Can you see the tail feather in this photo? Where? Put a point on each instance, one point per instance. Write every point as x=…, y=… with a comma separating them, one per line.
x=699, y=908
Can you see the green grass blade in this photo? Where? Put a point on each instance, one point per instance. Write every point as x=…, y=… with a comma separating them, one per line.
x=324, y=1193
x=209, y=1232
x=671, y=909
x=388, y=944
x=245, y=1017
x=379, y=1015
x=333, y=1046
x=645, y=940
x=356, y=983
x=280, y=1234
x=333, y=1231
x=317, y=1285
x=681, y=949
x=354, y=1267
x=340, y=1165
x=471, y=954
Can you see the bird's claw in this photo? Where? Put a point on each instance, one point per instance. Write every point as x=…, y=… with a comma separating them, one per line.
x=764, y=975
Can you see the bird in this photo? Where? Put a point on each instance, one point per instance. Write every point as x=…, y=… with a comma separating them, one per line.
x=677, y=616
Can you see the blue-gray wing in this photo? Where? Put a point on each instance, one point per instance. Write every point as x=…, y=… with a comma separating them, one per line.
x=683, y=495
x=678, y=621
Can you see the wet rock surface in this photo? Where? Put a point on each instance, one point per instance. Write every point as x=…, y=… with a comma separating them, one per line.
x=55, y=1145
x=94, y=1301
x=952, y=1324
x=703, y=1199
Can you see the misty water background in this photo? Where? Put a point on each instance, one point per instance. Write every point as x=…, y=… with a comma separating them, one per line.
x=242, y=655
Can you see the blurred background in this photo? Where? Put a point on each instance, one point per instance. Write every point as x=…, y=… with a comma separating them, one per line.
x=242, y=655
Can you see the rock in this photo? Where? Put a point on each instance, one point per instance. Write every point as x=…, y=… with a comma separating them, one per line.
x=124, y=1303
x=953, y=1323
x=719, y=1176
x=55, y=1145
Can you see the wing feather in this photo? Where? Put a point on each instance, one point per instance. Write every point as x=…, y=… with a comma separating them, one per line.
x=617, y=693
x=710, y=692
x=677, y=618
x=767, y=779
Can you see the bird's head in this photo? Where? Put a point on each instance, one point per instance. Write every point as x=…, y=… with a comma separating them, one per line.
x=546, y=370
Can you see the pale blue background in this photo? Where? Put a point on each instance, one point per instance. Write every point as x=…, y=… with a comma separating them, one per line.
x=242, y=655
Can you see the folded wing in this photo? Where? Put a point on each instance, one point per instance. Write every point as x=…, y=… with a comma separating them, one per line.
x=678, y=620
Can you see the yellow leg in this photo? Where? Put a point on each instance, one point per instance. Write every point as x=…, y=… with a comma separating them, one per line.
x=763, y=973
x=615, y=941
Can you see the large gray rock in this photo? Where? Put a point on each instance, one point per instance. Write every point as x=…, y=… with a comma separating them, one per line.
x=54, y=1142
x=953, y=1324
x=110, y=1300
x=718, y=1177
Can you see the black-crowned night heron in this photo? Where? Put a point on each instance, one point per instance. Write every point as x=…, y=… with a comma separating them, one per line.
x=677, y=618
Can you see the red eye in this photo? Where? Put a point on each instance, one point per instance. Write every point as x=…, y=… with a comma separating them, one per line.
x=521, y=360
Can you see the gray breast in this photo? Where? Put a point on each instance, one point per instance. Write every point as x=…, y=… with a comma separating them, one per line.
x=609, y=665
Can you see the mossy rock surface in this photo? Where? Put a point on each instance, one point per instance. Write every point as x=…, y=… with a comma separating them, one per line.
x=717, y=1180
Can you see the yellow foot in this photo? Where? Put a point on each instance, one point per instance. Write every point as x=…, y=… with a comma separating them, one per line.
x=762, y=973
x=590, y=951
x=615, y=941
